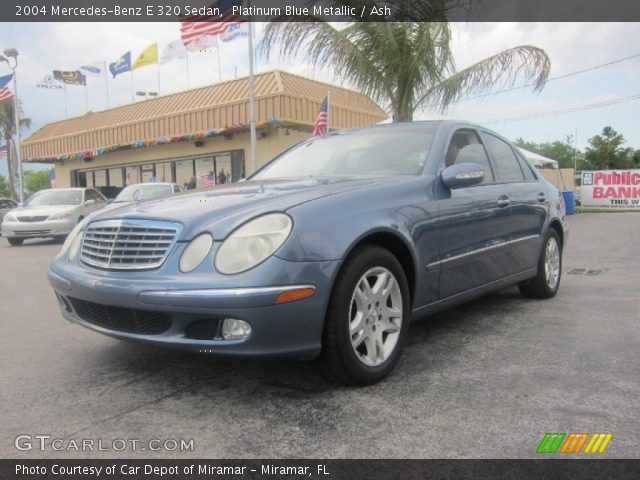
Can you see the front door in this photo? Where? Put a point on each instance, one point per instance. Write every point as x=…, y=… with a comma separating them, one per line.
x=474, y=223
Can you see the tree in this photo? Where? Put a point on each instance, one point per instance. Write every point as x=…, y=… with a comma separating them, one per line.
x=562, y=152
x=404, y=66
x=7, y=130
x=4, y=187
x=36, y=180
x=606, y=151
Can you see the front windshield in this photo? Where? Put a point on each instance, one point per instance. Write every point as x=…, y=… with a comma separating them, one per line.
x=54, y=197
x=149, y=192
x=375, y=151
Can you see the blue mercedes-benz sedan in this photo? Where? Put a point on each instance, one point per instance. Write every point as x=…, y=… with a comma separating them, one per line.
x=329, y=250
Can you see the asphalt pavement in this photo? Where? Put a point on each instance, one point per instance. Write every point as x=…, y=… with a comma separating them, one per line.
x=484, y=380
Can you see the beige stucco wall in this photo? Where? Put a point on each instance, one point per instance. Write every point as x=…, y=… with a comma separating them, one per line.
x=276, y=140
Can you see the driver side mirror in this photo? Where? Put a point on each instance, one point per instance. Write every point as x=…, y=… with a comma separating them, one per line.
x=462, y=175
x=89, y=202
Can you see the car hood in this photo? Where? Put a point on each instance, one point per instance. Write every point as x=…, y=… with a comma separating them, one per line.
x=41, y=210
x=226, y=207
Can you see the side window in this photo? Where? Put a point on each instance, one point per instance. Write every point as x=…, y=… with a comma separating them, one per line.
x=507, y=165
x=526, y=167
x=465, y=147
x=93, y=195
x=176, y=189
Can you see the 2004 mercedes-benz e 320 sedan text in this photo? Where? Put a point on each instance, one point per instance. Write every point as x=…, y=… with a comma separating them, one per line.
x=329, y=250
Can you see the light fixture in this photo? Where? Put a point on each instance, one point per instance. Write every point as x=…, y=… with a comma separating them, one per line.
x=11, y=53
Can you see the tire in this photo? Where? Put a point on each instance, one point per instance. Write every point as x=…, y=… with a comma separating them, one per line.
x=370, y=353
x=547, y=281
x=15, y=242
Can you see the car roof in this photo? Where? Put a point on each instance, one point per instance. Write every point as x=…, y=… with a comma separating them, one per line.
x=150, y=184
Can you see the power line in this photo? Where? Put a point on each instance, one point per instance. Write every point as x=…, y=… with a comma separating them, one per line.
x=559, y=77
x=579, y=108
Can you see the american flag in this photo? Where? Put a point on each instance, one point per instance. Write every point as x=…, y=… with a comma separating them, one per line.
x=52, y=178
x=4, y=87
x=322, y=120
x=208, y=181
x=3, y=151
x=194, y=28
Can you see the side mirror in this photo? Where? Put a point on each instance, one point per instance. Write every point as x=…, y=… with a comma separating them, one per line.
x=462, y=175
x=89, y=202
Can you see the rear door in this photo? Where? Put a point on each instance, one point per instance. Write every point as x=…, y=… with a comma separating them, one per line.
x=529, y=204
x=474, y=222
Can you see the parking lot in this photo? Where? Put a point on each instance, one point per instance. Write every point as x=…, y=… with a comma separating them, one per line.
x=485, y=380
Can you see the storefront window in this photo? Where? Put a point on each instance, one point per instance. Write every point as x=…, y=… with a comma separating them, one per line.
x=163, y=172
x=204, y=168
x=100, y=178
x=115, y=177
x=223, y=169
x=184, y=171
x=147, y=173
x=132, y=175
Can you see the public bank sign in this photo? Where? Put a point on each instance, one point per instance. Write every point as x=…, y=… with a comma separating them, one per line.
x=611, y=189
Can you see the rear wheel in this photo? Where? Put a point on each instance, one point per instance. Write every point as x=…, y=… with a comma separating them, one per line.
x=546, y=283
x=368, y=317
x=16, y=242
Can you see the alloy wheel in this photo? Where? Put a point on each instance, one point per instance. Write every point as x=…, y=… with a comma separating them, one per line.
x=375, y=316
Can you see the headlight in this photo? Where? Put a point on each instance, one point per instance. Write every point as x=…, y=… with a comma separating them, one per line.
x=71, y=237
x=60, y=216
x=195, y=252
x=9, y=218
x=253, y=243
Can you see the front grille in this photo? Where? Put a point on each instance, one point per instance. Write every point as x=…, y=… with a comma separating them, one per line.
x=39, y=218
x=120, y=319
x=128, y=244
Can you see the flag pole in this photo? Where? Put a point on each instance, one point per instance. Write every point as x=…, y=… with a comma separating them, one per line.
x=158, y=67
x=106, y=83
x=188, y=75
x=86, y=97
x=17, y=142
x=328, y=112
x=66, y=108
x=133, y=99
x=252, y=101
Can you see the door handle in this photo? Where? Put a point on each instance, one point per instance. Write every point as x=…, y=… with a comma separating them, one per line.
x=541, y=197
x=503, y=202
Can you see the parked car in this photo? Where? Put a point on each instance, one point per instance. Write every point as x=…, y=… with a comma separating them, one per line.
x=6, y=204
x=50, y=213
x=146, y=191
x=329, y=250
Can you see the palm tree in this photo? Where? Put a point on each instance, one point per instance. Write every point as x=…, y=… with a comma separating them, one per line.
x=404, y=66
x=7, y=130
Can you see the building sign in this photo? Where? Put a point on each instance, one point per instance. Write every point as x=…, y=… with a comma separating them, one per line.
x=611, y=189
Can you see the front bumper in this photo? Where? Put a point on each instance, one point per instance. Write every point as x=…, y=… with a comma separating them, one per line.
x=47, y=228
x=190, y=313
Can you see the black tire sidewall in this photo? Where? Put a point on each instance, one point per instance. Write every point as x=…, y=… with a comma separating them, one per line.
x=361, y=261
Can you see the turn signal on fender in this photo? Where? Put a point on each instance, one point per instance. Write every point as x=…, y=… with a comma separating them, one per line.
x=293, y=295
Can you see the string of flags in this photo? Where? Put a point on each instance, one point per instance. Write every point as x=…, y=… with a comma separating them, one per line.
x=190, y=137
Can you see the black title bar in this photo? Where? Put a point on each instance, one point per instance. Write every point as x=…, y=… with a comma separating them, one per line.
x=326, y=10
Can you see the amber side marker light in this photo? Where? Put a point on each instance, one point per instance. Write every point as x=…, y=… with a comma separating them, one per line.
x=293, y=295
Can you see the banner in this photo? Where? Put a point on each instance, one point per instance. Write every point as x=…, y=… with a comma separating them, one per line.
x=122, y=65
x=610, y=189
x=94, y=68
x=75, y=77
x=149, y=56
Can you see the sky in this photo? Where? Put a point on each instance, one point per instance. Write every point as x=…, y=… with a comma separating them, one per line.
x=571, y=47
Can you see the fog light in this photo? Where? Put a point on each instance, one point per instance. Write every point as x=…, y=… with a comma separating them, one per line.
x=234, y=329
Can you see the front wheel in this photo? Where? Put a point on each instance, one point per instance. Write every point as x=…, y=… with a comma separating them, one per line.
x=15, y=242
x=368, y=317
x=547, y=281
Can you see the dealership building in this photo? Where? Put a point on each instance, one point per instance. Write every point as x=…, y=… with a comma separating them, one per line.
x=192, y=133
